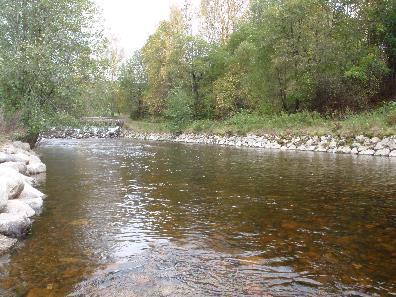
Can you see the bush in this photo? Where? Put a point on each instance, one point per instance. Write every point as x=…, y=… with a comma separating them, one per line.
x=179, y=110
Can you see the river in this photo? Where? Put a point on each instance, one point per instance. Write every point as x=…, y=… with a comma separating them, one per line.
x=130, y=218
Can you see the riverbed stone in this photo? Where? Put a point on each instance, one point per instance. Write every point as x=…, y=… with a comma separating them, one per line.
x=18, y=207
x=14, y=225
x=6, y=243
x=392, y=153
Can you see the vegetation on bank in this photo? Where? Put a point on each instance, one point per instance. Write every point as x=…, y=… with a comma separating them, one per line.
x=229, y=66
x=264, y=64
x=380, y=122
x=55, y=63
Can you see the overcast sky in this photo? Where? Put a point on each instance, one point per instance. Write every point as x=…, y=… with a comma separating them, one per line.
x=131, y=22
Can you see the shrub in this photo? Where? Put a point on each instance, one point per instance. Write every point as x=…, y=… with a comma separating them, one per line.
x=179, y=110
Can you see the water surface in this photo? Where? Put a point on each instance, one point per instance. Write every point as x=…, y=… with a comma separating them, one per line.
x=129, y=218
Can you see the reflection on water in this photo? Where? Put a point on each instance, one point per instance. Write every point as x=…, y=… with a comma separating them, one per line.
x=127, y=218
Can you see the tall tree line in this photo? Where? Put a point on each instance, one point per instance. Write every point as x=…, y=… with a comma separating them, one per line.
x=265, y=56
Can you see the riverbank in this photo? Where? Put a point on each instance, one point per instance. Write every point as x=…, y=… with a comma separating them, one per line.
x=359, y=145
x=380, y=122
x=371, y=133
x=20, y=170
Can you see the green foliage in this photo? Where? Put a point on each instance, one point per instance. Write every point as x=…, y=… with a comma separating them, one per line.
x=49, y=54
x=132, y=84
x=179, y=111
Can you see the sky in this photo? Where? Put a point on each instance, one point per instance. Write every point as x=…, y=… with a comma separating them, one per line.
x=131, y=22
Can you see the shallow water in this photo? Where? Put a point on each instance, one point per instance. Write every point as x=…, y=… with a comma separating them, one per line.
x=129, y=218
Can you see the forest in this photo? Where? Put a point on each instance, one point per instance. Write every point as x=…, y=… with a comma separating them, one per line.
x=226, y=60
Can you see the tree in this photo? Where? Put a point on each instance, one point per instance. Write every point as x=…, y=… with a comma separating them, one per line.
x=220, y=18
x=49, y=52
x=132, y=84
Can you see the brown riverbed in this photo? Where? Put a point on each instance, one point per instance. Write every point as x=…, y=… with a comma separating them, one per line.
x=129, y=218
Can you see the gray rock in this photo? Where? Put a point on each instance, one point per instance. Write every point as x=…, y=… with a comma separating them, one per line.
x=383, y=152
x=29, y=192
x=362, y=148
x=36, y=168
x=34, y=159
x=6, y=243
x=354, y=151
x=321, y=149
x=35, y=203
x=379, y=146
x=392, y=144
x=14, y=225
x=292, y=147
x=14, y=182
x=21, y=157
x=21, y=145
x=360, y=138
x=5, y=157
x=344, y=150
x=17, y=166
x=392, y=153
x=18, y=207
x=367, y=152
x=3, y=194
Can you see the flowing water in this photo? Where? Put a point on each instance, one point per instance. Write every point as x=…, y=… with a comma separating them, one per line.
x=129, y=218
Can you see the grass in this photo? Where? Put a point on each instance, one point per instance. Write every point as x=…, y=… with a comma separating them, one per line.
x=380, y=122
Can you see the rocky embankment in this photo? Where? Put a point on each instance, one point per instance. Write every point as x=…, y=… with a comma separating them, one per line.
x=359, y=145
x=20, y=170
x=82, y=133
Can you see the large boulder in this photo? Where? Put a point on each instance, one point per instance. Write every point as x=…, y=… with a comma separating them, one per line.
x=4, y=157
x=34, y=159
x=36, y=168
x=8, y=171
x=14, y=225
x=21, y=145
x=21, y=157
x=14, y=181
x=18, y=207
x=29, y=192
x=18, y=166
x=35, y=203
x=3, y=194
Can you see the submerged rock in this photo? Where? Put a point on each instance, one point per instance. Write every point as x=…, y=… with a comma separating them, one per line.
x=14, y=225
